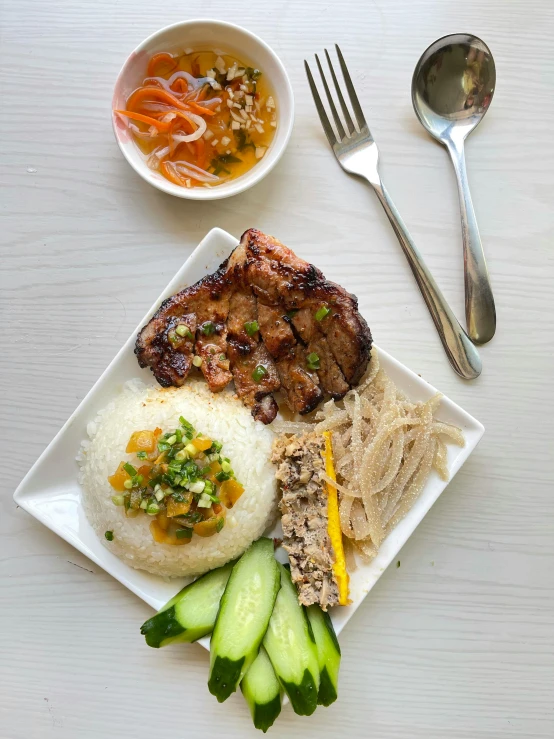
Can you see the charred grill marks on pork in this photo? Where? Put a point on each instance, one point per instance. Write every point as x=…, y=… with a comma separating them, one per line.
x=247, y=352
x=262, y=281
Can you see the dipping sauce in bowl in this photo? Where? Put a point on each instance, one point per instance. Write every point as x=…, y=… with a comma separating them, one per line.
x=201, y=118
x=202, y=109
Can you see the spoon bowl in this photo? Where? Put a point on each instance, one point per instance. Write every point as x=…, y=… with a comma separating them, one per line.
x=453, y=85
x=452, y=89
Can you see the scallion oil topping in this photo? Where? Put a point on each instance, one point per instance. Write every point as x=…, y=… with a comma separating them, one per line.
x=183, y=482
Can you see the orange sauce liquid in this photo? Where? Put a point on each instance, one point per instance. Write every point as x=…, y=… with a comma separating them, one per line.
x=243, y=144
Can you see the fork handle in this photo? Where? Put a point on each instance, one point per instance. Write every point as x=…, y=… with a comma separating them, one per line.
x=463, y=356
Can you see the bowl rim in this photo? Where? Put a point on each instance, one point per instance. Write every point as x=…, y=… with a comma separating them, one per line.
x=248, y=179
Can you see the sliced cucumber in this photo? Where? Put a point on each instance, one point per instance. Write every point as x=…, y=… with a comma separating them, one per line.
x=244, y=614
x=328, y=654
x=291, y=647
x=190, y=614
x=262, y=691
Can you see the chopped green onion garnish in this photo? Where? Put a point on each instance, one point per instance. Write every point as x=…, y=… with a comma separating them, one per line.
x=109, y=535
x=222, y=357
x=204, y=503
x=222, y=476
x=128, y=484
x=179, y=435
x=118, y=499
x=208, y=488
x=191, y=449
x=216, y=447
x=322, y=313
x=141, y=455
x=197, y=361
x=129, y=469
x=171, y=440
x=259, y=373
x=197, y=487
x=144, y=504
x=159, y=495
x=181, y=455
x=152, y=509
x=225, y=466
x=312, y=361
x=220, y=524
x=208, y=328
x=251, y=327
x=183, y=533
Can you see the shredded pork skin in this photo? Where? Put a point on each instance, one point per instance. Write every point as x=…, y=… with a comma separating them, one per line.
x=384, y=449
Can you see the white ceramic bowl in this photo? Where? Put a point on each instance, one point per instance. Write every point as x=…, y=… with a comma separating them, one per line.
x=205, y=34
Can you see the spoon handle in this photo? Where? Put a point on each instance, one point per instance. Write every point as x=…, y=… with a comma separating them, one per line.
x=463, y=356
x=480, y=310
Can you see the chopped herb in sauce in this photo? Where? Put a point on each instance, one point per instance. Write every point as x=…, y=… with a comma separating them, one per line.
x=254, y=74
x=219, y=164
x=243, y=141
x=109, y=535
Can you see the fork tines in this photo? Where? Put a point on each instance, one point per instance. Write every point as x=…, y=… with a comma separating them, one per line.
x=345, y=127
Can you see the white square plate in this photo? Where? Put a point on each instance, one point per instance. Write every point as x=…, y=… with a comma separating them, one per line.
x=51, y=493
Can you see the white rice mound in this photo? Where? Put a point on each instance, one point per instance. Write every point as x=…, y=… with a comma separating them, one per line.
x=220, y=416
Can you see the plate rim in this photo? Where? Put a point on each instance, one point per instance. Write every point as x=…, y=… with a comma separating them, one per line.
x=173, y=285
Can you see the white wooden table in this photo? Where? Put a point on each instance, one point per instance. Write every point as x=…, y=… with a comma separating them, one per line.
x=458, y=642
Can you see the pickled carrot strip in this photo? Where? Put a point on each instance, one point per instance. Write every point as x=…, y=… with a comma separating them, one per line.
x=157, y=92
x=185, y=117
x=163, y=56
x=179, y=82
x=144, y=119
x=171, y=174
x=195, y=108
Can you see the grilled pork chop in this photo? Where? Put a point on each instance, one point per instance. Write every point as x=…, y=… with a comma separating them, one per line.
x=266, y=319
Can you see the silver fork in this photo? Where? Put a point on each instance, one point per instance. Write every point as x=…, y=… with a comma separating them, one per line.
x=357, y=154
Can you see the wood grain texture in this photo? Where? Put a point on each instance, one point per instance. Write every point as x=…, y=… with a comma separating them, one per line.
x=459, y=641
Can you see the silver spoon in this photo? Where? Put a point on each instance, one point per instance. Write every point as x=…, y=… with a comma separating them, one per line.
x=452, y=88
